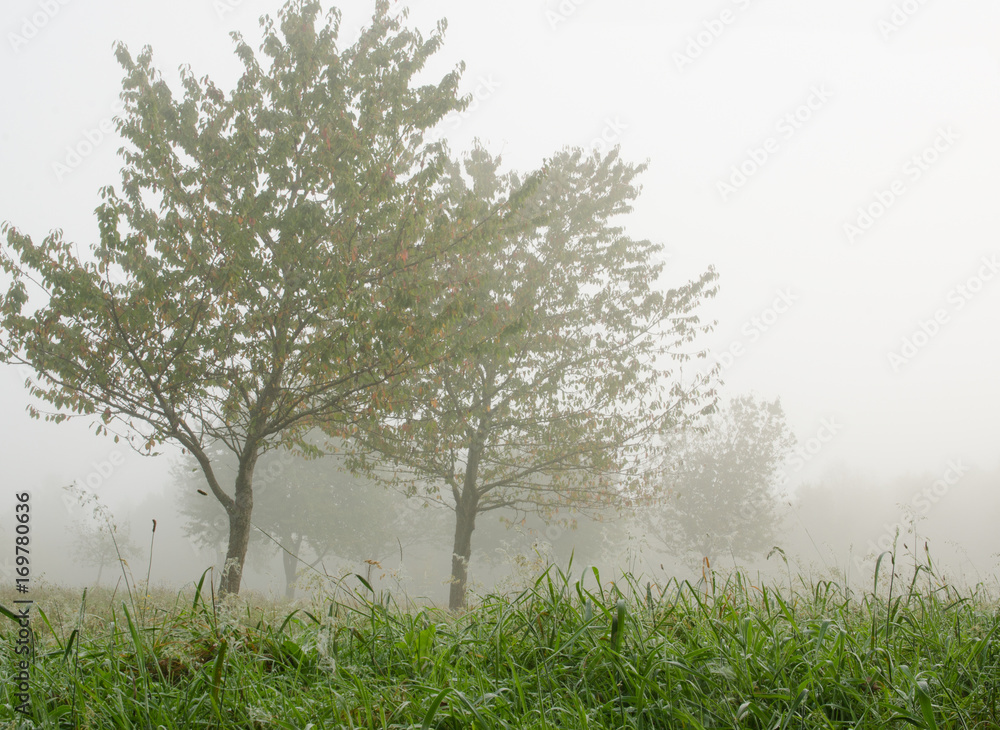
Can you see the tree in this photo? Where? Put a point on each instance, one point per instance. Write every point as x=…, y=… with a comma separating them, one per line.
x=94, y=545
x=263, y=267
x=97, y=539
x=566, y=375
x=305, y=508
x=722, y=492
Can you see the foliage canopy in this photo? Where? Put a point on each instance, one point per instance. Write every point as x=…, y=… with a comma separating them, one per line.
x=264, y=265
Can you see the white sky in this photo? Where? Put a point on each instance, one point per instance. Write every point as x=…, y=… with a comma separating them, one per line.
x=551, y=74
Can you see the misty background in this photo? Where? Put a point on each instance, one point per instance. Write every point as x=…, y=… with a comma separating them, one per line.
x=837, y=164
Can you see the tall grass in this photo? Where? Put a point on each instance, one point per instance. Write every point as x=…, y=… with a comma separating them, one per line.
x=567, y=652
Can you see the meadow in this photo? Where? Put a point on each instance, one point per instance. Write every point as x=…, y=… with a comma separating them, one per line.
x=566, y=652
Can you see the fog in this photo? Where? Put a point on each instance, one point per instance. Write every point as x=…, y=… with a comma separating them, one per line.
x=836, y=164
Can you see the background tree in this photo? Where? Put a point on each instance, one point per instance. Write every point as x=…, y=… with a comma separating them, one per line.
x=722, y=493
x=566, y=373
x=305, y=509
x=97, y=539
x=262, y=267
x=93, y=545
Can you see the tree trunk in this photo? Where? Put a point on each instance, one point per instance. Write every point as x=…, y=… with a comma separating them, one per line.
x=465, y=524
x=100, y=571
x=466, y=509
x=239, y=528
x=290, y=561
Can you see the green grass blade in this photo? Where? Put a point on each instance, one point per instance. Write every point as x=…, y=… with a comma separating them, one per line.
x=217, y=668
x=435, y=704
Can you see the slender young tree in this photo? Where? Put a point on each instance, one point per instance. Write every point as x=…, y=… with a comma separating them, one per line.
x=97, y=539
x=566, y=375
x=722, y=494
x=265, y=264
